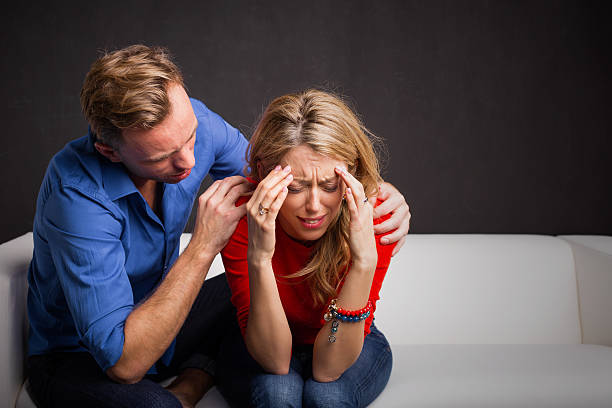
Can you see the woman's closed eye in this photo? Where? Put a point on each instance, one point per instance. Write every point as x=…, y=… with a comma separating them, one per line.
x=294, y=189
x=327, y=187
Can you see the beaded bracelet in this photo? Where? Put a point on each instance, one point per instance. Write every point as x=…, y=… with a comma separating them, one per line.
x=339, y=314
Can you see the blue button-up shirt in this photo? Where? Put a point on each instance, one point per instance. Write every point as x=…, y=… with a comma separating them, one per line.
x=99, y=249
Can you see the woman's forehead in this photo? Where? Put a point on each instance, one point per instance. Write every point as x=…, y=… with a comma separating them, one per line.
x=306, y=163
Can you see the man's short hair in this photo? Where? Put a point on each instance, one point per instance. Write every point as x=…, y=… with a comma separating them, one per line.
x=128, y=88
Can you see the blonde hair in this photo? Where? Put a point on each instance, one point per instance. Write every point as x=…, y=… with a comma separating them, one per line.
x=128, y=88
x=323, y=122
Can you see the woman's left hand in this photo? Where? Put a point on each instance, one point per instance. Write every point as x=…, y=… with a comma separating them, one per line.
x=361, y=230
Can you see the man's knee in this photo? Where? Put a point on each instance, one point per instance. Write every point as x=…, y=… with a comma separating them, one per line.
x=154, y=396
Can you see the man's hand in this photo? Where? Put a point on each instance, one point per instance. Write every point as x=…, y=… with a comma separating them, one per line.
x=218, y=215
x=394, y=204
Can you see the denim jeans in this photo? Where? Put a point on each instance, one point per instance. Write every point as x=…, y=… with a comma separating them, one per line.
x=244, y=383
x=64, y=379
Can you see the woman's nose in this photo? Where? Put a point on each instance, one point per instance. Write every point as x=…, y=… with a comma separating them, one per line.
x=313, y=204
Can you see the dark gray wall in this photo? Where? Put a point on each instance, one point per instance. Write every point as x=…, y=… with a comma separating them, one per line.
x=496, y=114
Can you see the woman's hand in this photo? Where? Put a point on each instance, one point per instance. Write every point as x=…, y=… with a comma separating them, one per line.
x=361, y=230
x=262, y=210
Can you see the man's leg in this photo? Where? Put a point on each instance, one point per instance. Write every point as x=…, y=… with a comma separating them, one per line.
x=76, y=380
x=198, y=342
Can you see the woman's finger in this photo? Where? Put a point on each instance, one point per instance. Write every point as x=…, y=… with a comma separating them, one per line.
x=278, y=202
x=350, y=180
x=352, y=206
x=273, y=193
x=275, y=177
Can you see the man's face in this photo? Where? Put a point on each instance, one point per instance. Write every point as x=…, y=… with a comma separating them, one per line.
x=164, y=153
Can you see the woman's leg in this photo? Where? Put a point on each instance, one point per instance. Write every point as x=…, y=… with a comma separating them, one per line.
x=361, y=383
x=243, y=383
x=276, y=391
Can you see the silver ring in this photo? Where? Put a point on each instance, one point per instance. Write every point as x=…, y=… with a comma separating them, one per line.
x=263, y=210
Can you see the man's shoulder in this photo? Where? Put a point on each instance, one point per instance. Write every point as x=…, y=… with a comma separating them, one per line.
x=209, y=121
x=77, y=166
x=199, y=108
x=73, y=196
x=78, y=173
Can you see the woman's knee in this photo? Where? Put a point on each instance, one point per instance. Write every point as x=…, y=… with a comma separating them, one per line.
x=269, y=390
x=327, y=394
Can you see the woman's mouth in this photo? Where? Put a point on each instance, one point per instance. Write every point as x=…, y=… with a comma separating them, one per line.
x=312, y=222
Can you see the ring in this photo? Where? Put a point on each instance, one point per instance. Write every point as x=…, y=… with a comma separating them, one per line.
x=263, y=210
x=365, y=200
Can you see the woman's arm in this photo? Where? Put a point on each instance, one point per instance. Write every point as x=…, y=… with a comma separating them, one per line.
x=330, y=360
x=268, y=336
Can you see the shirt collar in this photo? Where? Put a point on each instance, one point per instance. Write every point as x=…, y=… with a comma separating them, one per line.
x=117, y=182
x=115, y=179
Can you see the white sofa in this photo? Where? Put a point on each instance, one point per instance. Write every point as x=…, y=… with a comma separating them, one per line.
x=473, y=320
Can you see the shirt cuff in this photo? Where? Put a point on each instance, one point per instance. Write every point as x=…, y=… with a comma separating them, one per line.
x=105, y=337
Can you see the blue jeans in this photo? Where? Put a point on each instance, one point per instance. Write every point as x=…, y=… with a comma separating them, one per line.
x=62, y=379
x=244, y=383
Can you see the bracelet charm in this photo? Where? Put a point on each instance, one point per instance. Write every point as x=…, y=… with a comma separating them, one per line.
x=336, y=314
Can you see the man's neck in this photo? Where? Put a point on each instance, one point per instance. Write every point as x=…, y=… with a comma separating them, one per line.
x=149, y=190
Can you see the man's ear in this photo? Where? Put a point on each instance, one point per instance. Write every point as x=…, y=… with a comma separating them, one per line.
x=107, y=151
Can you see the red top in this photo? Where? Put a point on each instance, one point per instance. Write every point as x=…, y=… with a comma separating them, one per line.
x=305, y=320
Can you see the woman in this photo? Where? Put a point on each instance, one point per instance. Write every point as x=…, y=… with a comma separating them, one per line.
x=304, y=265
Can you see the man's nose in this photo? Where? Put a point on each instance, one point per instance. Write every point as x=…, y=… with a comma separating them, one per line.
x=184, y=159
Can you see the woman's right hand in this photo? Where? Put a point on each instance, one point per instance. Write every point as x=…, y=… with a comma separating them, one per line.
x=262, y=210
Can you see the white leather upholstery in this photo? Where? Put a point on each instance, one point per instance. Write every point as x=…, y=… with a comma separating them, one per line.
x=480, y=289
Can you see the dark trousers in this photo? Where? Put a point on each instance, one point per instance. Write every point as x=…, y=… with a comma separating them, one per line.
x=75, y=379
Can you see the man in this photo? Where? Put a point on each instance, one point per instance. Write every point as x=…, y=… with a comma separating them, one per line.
x=113, y=308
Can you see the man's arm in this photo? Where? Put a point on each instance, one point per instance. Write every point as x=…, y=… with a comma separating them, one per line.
x=151, y=327
x=394, y=204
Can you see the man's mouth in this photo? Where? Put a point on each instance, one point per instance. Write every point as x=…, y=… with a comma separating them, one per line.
x=182, y=175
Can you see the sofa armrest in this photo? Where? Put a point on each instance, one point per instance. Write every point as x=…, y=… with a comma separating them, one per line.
x=593, y=259
x=216, y=268
x=15, y=257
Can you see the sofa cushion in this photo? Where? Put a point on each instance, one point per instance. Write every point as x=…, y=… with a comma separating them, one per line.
x=517, y=375
x=480, y=289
